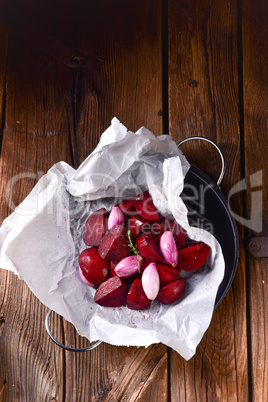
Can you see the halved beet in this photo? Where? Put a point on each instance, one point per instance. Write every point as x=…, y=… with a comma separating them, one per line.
x=94, y=268
x=178, y=232
x=144, y=265
x=136, y=298
x=95, y=227
x=113, y=264
x=115, y=244
x=111, y=293
x=128, y=281
x=137, y=224
x=158, y=237
x=193, y=256
x=127, y=206
x=167, y=274
x=157, y=228
x=172, y=292
x=145, y=207
x=148, y=247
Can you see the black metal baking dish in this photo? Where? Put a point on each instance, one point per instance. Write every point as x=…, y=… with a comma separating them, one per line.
x=213, y=213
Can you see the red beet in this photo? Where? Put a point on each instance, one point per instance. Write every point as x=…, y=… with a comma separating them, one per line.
x=115, y=244
x=84, y=279
x=129, y=280
x=144, y=265
x=172, y=292
x=136, y=298
x=178, y=232
x=193, y=256
x=167, y=274
x=145, y=207
x=158, y=237
x=157, y=229
x=113, y=264
x=137, y=224
x=148, y=247
x=95, y=227
x=127, y=206
x=94, y=268
x=111, y=293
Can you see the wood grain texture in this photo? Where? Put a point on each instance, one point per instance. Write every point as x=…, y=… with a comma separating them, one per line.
x=3, y=52
x=29, y=365
x=49, y=112
x=57, y=114
x=255, y=94
x=203, y=100
x=35, y=136
x=123, y=78
x=3, y=60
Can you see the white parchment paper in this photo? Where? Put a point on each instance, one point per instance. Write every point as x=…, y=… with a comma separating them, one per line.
x=41, y=240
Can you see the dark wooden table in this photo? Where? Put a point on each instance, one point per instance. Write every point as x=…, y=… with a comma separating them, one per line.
x=177, y=67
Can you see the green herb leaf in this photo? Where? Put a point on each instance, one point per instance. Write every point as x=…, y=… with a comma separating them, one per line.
x=131, y=245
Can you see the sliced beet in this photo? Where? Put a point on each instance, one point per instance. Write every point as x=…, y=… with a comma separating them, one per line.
x=157, y=228
x=178, y=232
x=144, y=265
x=127, y=206
x=95, y=227
x=128, y=281
x=193, y=256
x=148, y=247
x=113, y=264
x=167, y=274
x=111, y=293
x=158, y=237
x=115, y=244
x=136, y=298
x=94, y=268
x=137, y=224
x=145, y=207
x=172, y=292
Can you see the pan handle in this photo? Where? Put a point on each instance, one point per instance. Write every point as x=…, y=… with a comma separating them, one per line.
x=223, y=167
x=61, y=344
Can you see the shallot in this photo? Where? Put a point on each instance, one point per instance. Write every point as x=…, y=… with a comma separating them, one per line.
x=129, y=266
x=168, y=248
x=150, y=281
x=116, y=217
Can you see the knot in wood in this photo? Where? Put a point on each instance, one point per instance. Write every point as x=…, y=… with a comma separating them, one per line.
x=254, y=245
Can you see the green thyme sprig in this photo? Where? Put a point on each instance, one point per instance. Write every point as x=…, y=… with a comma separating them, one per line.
x=131, y=245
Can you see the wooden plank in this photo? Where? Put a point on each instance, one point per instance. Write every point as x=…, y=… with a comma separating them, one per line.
x=117, y=359
x=3, y=52
x=122, y=79
x=36, y=135
x=203, y=100
x=124, y=75
x=255, y=94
